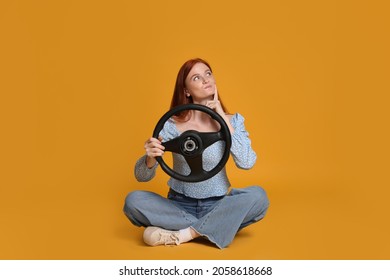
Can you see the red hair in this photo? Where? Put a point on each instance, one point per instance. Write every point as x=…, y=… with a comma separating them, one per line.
x=179, y=97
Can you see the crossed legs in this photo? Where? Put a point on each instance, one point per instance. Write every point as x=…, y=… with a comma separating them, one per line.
x=172, y=221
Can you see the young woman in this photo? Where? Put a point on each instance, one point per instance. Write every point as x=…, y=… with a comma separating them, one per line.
x=202, y=209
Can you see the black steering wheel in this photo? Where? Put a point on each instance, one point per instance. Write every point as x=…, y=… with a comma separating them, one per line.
x=191, y=144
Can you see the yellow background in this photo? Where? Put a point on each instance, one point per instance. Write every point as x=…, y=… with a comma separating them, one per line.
x=83, y=84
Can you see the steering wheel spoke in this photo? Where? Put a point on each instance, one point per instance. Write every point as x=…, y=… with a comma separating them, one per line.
x=196, y=165
x=172, y=145
x=210, y=138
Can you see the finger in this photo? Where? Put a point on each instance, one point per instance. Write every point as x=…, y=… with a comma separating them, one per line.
x=157, y=152
x=154, y=152
x=153, y=143
x=216, y=93
x=153, y=140
x=210, y=104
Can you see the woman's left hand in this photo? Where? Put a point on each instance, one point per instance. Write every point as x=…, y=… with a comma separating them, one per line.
x=215, y=104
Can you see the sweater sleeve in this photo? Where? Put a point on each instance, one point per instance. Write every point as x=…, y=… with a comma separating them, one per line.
x=241, y=150
x=141, y=171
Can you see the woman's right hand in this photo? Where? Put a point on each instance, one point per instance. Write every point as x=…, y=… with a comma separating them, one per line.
x=153, y=149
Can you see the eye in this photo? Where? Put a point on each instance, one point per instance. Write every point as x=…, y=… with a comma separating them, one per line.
x=196, y=78
x=208, y=73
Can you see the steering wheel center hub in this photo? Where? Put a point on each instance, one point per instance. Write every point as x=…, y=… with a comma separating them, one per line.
x=191, y=143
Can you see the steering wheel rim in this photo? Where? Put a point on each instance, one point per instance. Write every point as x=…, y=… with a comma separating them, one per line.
x=191, y=145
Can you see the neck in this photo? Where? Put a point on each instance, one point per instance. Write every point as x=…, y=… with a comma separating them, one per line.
x=199, y=116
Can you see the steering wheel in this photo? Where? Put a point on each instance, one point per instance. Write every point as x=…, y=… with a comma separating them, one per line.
x=191, y=144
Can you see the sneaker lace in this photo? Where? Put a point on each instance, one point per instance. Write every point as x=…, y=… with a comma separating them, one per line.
x=169, y=238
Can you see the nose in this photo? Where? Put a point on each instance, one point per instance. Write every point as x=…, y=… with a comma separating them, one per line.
x=205, y=80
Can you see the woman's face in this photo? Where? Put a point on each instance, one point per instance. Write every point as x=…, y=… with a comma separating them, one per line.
x=200, y=83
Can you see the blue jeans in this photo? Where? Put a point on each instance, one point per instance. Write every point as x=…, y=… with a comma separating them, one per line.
x=216, y=218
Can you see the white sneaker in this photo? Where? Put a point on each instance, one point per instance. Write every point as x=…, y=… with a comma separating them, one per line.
x=154, y=236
